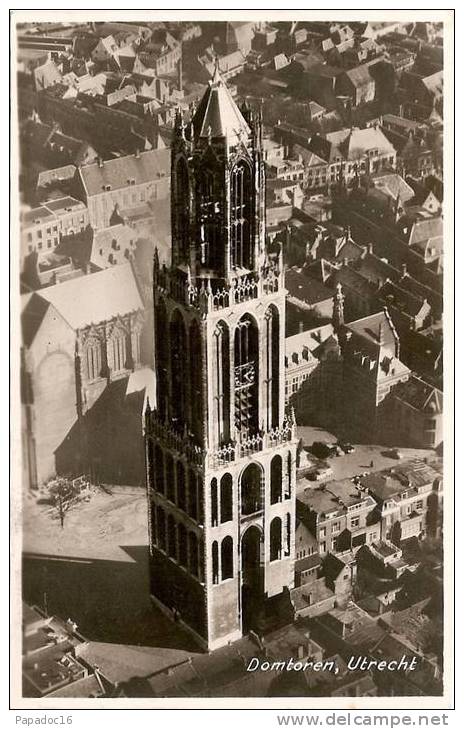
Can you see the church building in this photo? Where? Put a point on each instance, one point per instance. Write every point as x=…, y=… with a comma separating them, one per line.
x=220, y=448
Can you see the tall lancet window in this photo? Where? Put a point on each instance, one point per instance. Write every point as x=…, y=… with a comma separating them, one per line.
x=240, y=216
x=161, y=358
x=272, y=370
x=246, y=375
x=196, y=369
x=210, y=221
x=178, y=369
x=221, y=382
x=182, y=204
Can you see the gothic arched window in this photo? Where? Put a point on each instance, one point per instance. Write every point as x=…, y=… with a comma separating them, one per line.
x=178, y=373
x=181, y=491
x=196, y=369
x=119, y=350
x=193, y=553
x=227, y=558
x=182, y=204
x=240, y=216
x=161, y=528
x=93, y=358
x=172, y=537
x=150, y=462
x=250, y=489
x=214, y=502
x=192, y=495
x=246, y=375
x=221, y=381
x=276, y=479
x=170, y=483
x=272, y=369
x=276, y=539
x=210, y=220
x=226, y=498
x=159, y=470
x=215, y=562
x=183, y=548
x=161, y=359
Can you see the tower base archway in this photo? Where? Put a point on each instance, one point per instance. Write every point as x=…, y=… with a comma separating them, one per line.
x=252, y=579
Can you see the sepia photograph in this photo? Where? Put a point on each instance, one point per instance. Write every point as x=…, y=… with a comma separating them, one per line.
x=231, y=240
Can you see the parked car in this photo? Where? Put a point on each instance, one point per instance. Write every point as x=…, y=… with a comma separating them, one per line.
x=323, y=450
x=346, y=447
x=321, y=472
x=395, y=453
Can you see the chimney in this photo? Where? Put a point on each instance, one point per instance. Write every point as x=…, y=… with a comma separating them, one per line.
x=137, y=153
x=404, y=269
x=370, y=249
x=100, y=162
x=381, y=333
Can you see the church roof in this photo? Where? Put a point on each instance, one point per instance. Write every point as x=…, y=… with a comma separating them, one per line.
x=95, y=298
x=218, y=115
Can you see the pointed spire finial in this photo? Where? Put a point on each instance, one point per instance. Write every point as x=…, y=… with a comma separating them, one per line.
x=217, y=74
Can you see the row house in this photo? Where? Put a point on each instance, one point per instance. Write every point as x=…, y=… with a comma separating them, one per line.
x=112, y=186
x=340, y=515
x=43, y=227
x=408, y=500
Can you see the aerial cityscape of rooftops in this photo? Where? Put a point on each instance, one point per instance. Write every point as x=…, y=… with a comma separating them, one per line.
x=231, y=255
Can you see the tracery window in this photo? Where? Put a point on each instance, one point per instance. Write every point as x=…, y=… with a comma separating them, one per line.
x=240, y=216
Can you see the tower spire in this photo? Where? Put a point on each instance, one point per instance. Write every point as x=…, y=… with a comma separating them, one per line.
x=338, y=317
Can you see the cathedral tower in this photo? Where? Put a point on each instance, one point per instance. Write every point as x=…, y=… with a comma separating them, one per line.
x=220, y=449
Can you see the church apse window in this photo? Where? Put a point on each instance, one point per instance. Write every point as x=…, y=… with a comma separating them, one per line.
x=276, y=479
x=275, y=539
x=227, y=558
x=246, y=375
x=93, y=357
x=240, y=216
x=226, y=498
x=119, y=350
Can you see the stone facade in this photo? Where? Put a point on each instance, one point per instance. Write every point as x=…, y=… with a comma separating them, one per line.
x=221, y=451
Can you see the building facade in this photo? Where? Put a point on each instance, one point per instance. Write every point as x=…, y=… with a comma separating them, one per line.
x=220, y=449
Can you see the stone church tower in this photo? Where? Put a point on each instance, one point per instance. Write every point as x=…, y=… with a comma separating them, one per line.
x=220, y=449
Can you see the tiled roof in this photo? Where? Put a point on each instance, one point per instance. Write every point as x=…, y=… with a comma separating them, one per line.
x=360, y=76
x=95, y=298
x=372, y=328
x=115, y=173
x=305, y=288
x=419, y=394
x=401, y=298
